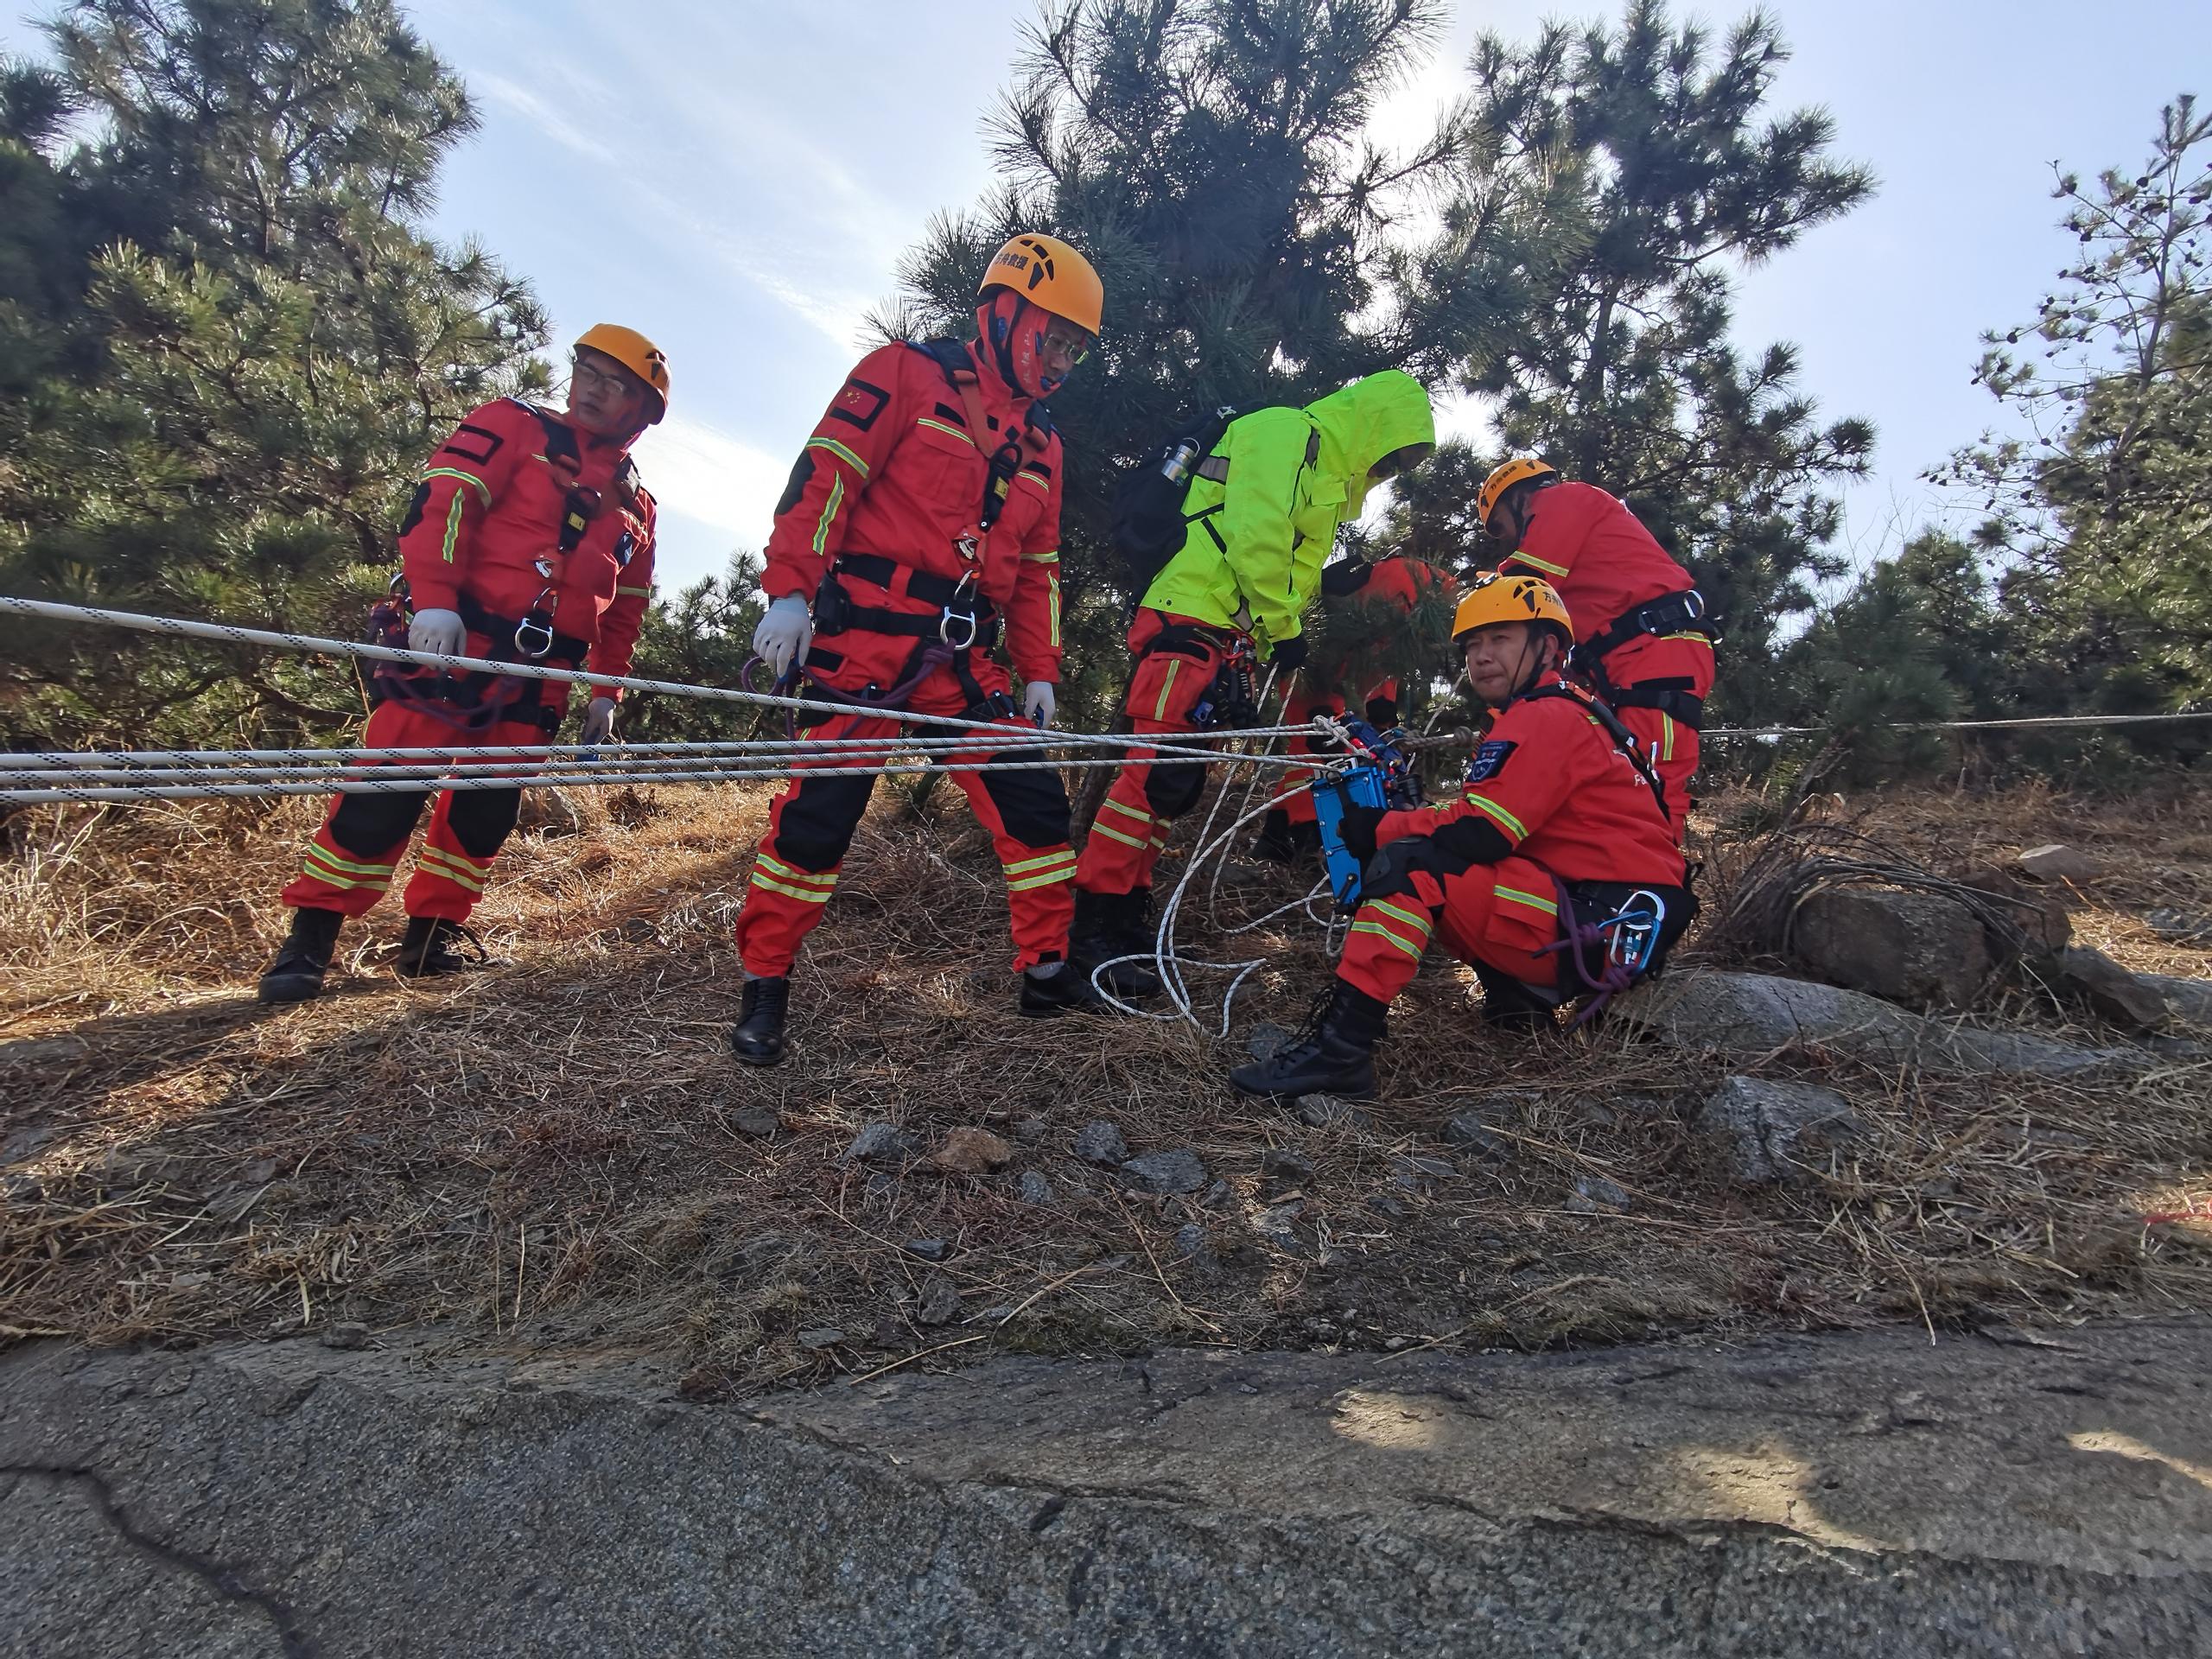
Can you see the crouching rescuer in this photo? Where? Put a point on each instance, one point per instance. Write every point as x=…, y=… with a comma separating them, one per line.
x=921, y=527
x=1554, y=875
x=529, y=540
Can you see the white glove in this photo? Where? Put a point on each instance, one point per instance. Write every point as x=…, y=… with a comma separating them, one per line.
x=439, y=633
x=599, y=722
x=783, y=634
x=1039, y=701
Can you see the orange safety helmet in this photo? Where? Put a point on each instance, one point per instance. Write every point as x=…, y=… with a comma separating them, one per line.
x=634, y=353
x=1518, y=470
x=1496, y=598
x=1051, y=276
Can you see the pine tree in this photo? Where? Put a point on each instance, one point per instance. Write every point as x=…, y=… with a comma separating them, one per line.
x=268, y=345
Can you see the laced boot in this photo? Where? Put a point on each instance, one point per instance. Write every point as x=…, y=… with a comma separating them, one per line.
x=426, y=950
x=1111, y=925
x=1335, y=1054
x=296, y=974
x=757, y=1038
x=1275, y=845
x=1509, y=1005
x=1052, y=988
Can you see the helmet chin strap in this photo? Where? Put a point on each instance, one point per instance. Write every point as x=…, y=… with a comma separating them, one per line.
x=999, y=325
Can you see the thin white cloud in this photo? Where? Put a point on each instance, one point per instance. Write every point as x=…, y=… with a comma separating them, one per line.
x=706, y=475
x=542, y=115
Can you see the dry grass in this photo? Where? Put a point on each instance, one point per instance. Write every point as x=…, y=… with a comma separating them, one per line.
x=547, y=1155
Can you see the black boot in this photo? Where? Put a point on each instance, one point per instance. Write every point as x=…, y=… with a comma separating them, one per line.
x=757, y=1037
x=426, y=950
x=296, y=974
x=1335, y=1056
x=1053, y=989
x=1510, y=1005
x=1275, y=845
x=1111, y=925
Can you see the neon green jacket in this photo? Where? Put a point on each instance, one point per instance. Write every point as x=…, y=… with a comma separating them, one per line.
x=1263, y=523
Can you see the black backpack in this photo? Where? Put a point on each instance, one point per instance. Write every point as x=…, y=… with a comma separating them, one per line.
x=1148, y=526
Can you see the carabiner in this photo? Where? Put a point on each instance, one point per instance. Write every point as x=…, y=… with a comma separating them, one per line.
x=950, y=616
x=533, y=638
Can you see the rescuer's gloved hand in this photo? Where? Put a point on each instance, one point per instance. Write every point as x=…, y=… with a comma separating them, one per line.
x=783, y=634
x=599, y=722
x=439, y=633
x=1288, y=654
x=1357, y=829
x=1040, y=700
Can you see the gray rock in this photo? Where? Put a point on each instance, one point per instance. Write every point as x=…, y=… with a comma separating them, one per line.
x=1277, y=1224
x=2059, y=862
x=1920, y=949
x=346, y=1336
x=827, y=1335
x=1281, y=1163
x=1032, y=1132
x=1166, y=1172
x=1760, y=1127
x=1415, y=1173
x=1266, y=1041
x=879, y=1143
x=2191, y=1000
x=759, y=1120
x=1711, y=1011
x=1102, y=1143
x=2109, y=990
x=1035, y=1189
x=1472, y=1133
x=1327, y=1112
x=1195, y=1249
x=1594, y=1194
x=1216, y=1195
x=939, y=1301
x=929, y=1249
x=1382, y=1204
x=2177, y=926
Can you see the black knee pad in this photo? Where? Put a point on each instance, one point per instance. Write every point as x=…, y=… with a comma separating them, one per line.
x=1171, y=790
x=482, y=819
x=372, y=826
x=818, y=821
x=1031, y=804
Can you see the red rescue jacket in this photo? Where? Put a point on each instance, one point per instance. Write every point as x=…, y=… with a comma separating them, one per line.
x=1605, y=564
x=1553, y=782
x=494, y=500
x=894, y=471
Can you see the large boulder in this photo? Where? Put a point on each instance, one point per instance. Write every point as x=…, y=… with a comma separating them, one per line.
x=1719, y=1011
x=1760, y=1128
x=1920, y=949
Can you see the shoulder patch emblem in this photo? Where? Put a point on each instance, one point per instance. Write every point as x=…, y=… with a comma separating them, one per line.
x=1490, y=760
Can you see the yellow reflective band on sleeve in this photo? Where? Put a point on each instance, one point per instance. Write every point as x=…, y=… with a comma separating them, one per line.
x=1666, y=737
x=452, y=524
x=1159, y=709
x=1506, y=821
x=1420, y=923
x=1035, y=483
x=1053, y=604
x=1043, y=558
x=829, y=514
x=1382, y=932
x=1112, y=834
x=1530, y=558
x=634, y=593
x=1534, y=901
x=469, y=479
x=841, y=452
x=950, y=431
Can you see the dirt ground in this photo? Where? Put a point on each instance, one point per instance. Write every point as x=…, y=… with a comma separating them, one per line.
x=559, y=1152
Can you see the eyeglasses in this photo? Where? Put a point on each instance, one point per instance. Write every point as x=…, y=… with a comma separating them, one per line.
x=1067, y=339
x=583, y=375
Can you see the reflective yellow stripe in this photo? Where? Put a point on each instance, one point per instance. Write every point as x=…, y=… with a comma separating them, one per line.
x=1514, y=896
x=459, y=874
x=452, y=524
x=1112, y=834
x=470, y=479
x=1420, y=923
x=1134, y=814
x=829, y=514
x=1037, y=483
x=1052, y=603
x=1159, y=709
x=1505, y=819
x=1690, y=639
x=316, y=849
x=1382, y=932
x=1042, y=558
x=950, y=431
x=1067, y=874
x=822, y=878
x=377, y=884
x=761, y=879
x=465, y=860
x=1529, y=558
x=1666, y=737
x=635, y=592
x=1065, y=857
x=841, y=452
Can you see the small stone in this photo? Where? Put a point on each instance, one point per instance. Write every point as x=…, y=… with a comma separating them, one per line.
x=1382, y=1204
x=345, y=1335
x=881, y=1184
x=1166, y=1172
x=929, y=1249
x=1415, y=1173
x=1195, y=1249
x=1594, y=1112
x=1032, y=1131
x=1214, y=1196
x=1276, y=1224
x=1468, y=1131
x=970, y=1152
x=1327, y=1112
x=1099, y=1143
x=1281, y=1163
x=1035, y=1189
x=825, y=1336
x=1266, y=1041
x=2110, y=992
x=2059, y=862
x=2181, y=926
x=939, y=1303
x=760, y=1121
x=879, y=1142
x=191, y=1281
x=1593, y=1194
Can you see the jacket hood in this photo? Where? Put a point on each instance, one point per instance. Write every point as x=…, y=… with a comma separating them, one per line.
x=1368, y=419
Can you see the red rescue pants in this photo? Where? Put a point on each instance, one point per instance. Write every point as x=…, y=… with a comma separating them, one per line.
x=812, y=825
x=1672, y=748
x=350, y=863
x=1131, y=829
x=1498, y=916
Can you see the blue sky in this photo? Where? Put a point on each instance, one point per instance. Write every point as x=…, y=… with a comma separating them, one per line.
x=739, y=181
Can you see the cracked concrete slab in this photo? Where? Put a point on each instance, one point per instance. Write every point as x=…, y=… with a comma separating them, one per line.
x=1833, y=1496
